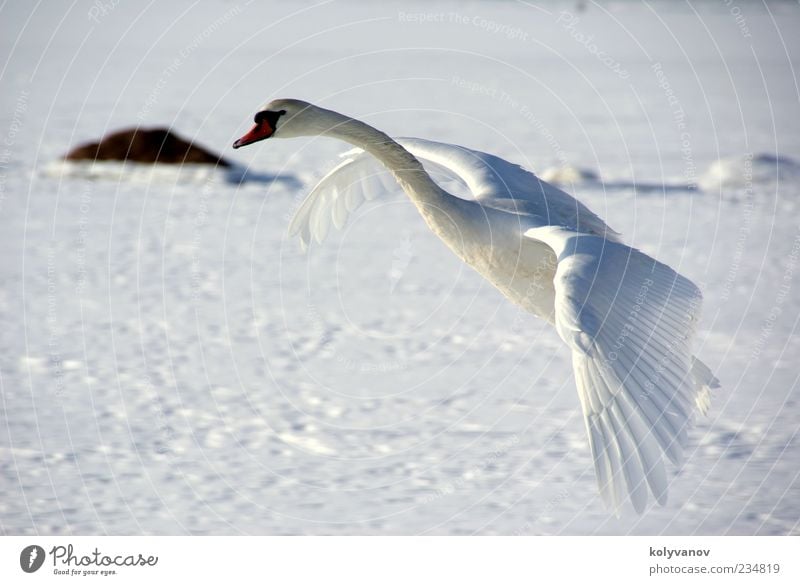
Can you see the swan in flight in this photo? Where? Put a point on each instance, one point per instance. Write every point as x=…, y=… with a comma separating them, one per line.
x=627, y=318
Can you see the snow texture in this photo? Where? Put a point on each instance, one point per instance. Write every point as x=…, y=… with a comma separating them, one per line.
x=172, y=363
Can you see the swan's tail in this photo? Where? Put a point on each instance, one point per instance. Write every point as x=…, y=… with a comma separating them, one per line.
x=705, y=381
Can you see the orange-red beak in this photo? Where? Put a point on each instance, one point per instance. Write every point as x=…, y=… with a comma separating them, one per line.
x=258, y=132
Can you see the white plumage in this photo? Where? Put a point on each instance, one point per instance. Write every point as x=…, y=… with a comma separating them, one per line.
x=627, y=318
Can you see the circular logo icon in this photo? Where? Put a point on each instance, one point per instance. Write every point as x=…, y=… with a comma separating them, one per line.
x=31, y=558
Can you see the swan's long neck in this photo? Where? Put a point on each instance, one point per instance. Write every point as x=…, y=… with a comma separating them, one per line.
x=431, y=200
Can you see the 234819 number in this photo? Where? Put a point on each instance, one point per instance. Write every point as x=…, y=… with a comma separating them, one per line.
x=762, y=568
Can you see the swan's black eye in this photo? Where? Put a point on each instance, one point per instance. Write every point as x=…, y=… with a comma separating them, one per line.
x=269, y=116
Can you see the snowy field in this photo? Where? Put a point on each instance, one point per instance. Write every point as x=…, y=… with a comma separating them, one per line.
x=172, y=363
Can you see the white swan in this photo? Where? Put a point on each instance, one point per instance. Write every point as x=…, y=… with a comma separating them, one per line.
x=628, y=318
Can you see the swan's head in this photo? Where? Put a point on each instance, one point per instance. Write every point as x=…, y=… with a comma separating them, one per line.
x=286, y=118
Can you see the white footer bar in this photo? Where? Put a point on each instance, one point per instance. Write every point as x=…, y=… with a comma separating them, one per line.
x=399, y=560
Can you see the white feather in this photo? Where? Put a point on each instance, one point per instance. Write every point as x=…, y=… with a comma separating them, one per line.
x=629, y=321
x=627, y=318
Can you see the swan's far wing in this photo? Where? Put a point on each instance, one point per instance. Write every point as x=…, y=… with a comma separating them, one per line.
x=629, y=321
x=358, y=178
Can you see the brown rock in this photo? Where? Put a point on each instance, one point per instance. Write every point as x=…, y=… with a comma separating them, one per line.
x=154, y=145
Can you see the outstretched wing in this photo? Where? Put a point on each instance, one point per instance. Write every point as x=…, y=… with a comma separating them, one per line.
x=629, y=321
x=489, y=179
x=358, y=178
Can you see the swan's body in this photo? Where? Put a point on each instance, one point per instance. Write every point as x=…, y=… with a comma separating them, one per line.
x=627, y=318
x=488, y=233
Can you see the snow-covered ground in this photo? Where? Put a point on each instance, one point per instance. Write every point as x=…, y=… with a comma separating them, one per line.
x=171, y=363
